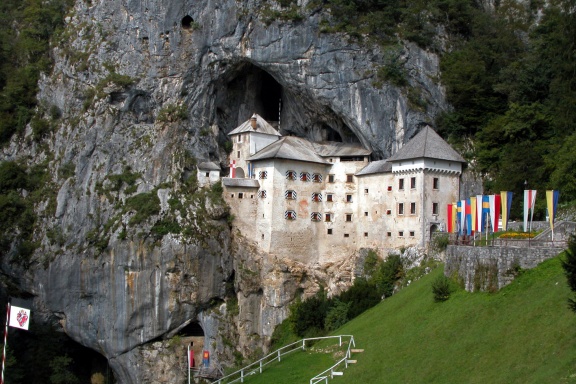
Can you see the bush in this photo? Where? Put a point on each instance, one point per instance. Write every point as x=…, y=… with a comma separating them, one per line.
x=569, y=266
x=337, y=316
x=442, y=288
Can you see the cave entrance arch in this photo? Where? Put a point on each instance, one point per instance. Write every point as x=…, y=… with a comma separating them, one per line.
x=193, y=335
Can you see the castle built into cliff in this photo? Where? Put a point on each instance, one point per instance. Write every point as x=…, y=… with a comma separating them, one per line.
x=317, y=201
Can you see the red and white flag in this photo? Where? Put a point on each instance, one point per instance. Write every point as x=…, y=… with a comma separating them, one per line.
x=233, y=168
x=19, y=317
x=529, y=200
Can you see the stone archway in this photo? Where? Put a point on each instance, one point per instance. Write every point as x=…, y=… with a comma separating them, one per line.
x=433, y=229
x=240, y=174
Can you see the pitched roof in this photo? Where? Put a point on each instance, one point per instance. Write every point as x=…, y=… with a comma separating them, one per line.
x=262, y=126
x=331, y=148
x=208, y=166
x=380, y=166
x=290, y=148
x=427, y=143
x=246, y=183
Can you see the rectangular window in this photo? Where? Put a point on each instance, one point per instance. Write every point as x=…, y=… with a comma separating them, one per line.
x=262, y=194
x=316, y=216
x=401, y=184
x=346, y=235
x=240, y=195
x=327, y=217
x=348, y=198
x=329, y=197
x=263, y=175
x=316, y=197
x=238, y=154
x=412, y=208
x=388, y=211
x=389, y=234
x=290, y=215
x=389, y=188
x=330, y=178
x=290, y=195
x=434, y=208
x=290, y=175
x=411, y=233
x=207, y=174
x=329, y=231
x=401, y=233
x=365, y=213
x=400, y=208
x=365, y=234
x=412, y=183
x=317, y=178
x=349, y=178
x=348, y=217
x=436, y=183
x=304, y=176
x=365, y=190
x=239, y=138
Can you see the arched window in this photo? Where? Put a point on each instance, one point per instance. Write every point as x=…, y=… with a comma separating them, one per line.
x=316, y=216
x=304, y=176
x=290, y=215
x=290, y=175
x=317, y=197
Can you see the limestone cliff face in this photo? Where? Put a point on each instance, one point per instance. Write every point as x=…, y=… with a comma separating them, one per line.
x=148, y=88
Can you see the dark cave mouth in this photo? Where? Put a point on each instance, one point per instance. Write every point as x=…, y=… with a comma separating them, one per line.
x=246, y=89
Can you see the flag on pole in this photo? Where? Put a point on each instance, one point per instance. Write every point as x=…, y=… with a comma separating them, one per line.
x=529, y=200
x=450, y=215
x=485, y=212
x=458, y=217
x=506, y=200
x=233, y=168
x=190, y=357
x=552, y=203
x=19, y=317
x=494, y=211
x=474, y=212
x=206, y=359
x=468, y=217
x=480, y=221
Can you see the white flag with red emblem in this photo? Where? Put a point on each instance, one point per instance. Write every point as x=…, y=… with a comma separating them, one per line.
x=19, y=317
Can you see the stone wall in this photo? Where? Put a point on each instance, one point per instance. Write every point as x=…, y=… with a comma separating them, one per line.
x=491, y=268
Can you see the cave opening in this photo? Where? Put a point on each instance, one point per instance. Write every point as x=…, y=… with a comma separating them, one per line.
x=192, y=335
x=187, y=21
x=60, y=355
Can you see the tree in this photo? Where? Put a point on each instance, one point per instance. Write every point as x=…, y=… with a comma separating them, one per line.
x=569, y=265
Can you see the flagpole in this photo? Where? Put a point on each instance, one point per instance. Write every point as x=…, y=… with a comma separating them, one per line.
x=5, y=340
x=189, y=362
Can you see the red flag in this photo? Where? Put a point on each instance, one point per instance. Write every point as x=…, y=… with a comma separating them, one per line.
x=233, y=168
x=190, y=358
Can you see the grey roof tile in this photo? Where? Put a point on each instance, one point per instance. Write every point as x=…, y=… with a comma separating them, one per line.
x=290, y=148
x=427, y=143
x=208, y=166
x=262, y=126
x=380, y=166
x=245, y=183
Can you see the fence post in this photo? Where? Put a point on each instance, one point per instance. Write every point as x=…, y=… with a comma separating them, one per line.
x=278, y=355
x=241, y=375
x=303, y=344
x=340, y=340
x=260, y=365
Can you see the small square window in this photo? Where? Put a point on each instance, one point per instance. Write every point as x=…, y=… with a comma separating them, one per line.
x=389, y=234
x=411, y=233
x=330, y=178
x=365, y=213
x=401, y=184
x=348, y=198
x=349, y=178
x=328, y=217
x=207, y=174
x=348, y=217
x=388, y=211
x=365, y=190
x=400, y=208
x=251, y=196
x=346, y=235
x=434, y=208
x=329, y=197
x=329, y=231
x=389, y=188
x=401, y=233
x=412, y=208
x=412, y=182
x=291, y=175
x=436, y=183
x=365, y=234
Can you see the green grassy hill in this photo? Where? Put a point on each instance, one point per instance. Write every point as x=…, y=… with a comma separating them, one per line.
x=523, y=334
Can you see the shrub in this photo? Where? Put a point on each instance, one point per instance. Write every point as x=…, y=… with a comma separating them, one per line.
x=569, y=266
x=145, y=205
x=307, y=317
x=337, y=315
x=440, y=242
x=442, y=288
x=172, y=113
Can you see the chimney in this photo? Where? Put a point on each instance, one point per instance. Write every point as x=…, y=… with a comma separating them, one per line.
x=253, y=122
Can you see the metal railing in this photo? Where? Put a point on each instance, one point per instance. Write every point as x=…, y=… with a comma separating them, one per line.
x=257, y=366
x=322, y=376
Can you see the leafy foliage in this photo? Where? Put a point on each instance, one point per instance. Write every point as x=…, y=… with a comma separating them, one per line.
x=442, y=288
x=569, y=266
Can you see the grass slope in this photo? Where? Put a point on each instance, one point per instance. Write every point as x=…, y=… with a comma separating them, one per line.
x=522, y=334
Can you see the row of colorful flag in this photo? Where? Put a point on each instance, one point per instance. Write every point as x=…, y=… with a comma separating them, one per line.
x=482, y=213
